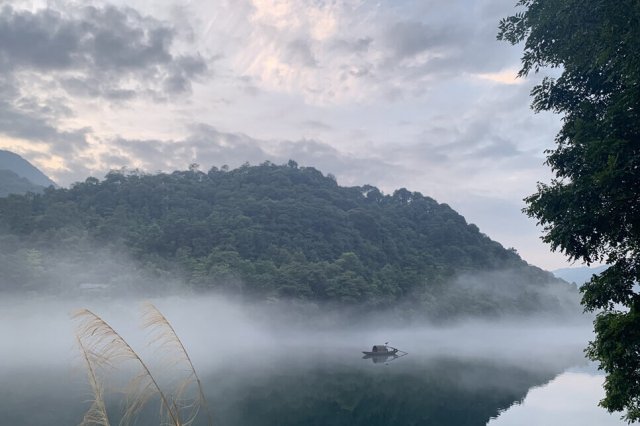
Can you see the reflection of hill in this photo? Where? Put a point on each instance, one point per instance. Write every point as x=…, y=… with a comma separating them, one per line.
x=307, y=391
x=438, y=392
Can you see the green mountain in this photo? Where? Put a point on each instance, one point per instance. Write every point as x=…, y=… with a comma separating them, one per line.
x=11, y=183
x=273, y=232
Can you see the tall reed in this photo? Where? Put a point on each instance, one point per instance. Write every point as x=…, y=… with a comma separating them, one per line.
x=103, y=347
x=97, y=413
x=165, y=337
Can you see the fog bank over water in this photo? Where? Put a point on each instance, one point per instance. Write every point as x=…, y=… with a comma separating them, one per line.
x=476, y=345
x=112, y=273
x=265, y=364
x=40, y=330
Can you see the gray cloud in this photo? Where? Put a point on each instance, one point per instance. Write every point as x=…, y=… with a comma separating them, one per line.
x=350, y=169
x=498, y=147
x=215, y=148
x=90, y=87
x=477, y=141
x=81, y=165
x=358, y=45
x=359, y=51
x=299, y=52
x=248, y=86
x=182, y=71
x=427, y=43
x=28, y=118
x=113, y=159
x=409, y=38
x=28, y=126
x=491, y=130
x=205, y=145
x=209, y=147
x=108, y=52
x=36, y=40
x=316, y=125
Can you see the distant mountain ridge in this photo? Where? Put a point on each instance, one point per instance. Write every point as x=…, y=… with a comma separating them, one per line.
x=24, y=169
x=11, y=183
x=578, y=275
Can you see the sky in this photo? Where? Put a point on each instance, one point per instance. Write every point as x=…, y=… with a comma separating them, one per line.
x=393, y=93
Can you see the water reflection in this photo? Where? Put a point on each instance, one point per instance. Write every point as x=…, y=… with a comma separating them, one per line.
x=310, y=390
x=382, y=359
x=434, y=391
x=570, y=398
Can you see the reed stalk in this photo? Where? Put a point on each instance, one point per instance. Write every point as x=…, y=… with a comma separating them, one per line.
x=99, y=338
x=164, y=335
x=97, y=413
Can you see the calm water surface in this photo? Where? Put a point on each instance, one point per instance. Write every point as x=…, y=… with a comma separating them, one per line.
x=258, y=372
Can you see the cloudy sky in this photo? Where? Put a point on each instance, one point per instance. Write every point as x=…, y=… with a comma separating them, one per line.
x=394, y=93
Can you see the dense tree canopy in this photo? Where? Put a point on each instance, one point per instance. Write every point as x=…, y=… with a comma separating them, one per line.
x=270, y=232
x=591, y=210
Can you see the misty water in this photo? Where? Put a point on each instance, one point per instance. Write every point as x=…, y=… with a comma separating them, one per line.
x=264, y=366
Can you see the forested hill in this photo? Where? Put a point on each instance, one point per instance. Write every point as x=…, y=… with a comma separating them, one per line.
x=272, y=231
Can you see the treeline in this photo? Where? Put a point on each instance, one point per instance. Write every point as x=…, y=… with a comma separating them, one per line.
x=268, y=231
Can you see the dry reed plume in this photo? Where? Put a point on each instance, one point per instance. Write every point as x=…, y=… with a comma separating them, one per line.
x=164, y=335
x=97, y=413
x=102, y=348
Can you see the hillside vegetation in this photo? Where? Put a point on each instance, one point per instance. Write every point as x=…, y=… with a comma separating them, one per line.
x=271, y=232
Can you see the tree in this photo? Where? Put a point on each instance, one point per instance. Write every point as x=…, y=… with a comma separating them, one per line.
x=591, y=209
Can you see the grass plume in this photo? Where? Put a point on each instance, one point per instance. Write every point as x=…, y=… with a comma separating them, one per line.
x=97, y=413
x=165, y=337
x=107, y=346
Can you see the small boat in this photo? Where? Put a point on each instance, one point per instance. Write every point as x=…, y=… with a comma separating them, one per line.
x=381, y=359
x=381, y=350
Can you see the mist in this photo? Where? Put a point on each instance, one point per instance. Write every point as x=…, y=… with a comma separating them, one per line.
x=113, y=286
x=251, y=348
x=236, y=346
x=42, y=326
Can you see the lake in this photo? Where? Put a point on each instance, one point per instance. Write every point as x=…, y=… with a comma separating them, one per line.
x=260, y=369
